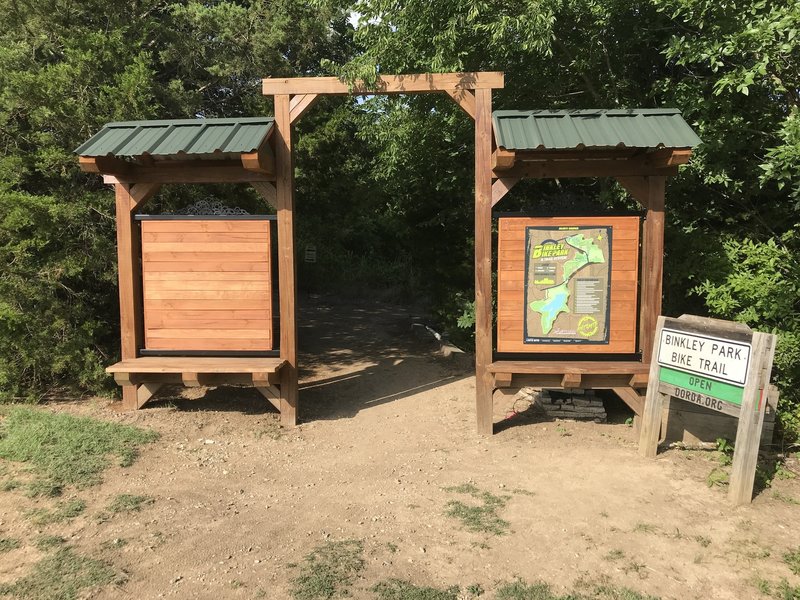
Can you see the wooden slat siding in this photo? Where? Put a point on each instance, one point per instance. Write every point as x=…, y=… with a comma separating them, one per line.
x=204, y=257
x=215, y=266
x=624, y=279
x=198, y=226
x=205, y=237
x=483, y=260
x=221, y=276
x=287, y=268
x=205, y=294
x=203, y=344
x=261, y=285
x=197, y=309
x=215, y=246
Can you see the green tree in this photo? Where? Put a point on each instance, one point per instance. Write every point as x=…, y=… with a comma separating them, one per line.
x=66, y=68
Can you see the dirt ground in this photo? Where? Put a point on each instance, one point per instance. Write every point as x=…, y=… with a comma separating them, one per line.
x=387, y=426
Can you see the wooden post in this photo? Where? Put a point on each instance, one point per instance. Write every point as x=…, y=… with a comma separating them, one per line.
x=287, y=275
x=650, y=426
x=483, y=259
x=751, y=419
x=652, y=264
x=129, y=252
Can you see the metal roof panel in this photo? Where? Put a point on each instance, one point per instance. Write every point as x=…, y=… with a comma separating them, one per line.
x=184, y=137
x=592, y=128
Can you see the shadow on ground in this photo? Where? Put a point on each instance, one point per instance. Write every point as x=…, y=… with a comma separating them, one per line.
x=357, y=355
x=353, y=355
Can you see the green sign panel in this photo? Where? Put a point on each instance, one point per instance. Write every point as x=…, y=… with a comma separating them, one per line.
x=702, y=385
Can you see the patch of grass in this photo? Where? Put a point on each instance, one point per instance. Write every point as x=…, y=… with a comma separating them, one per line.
x=645, y=527
x=475, y=590
x=62, y=575
x=787, y=591
x=717, y=476
x=396, y=589
x=9, y=544
x=125, y=503
x=522, y=492
x=46, y=543
x=329, y=570
x=9, y=485
x=42, y=488
x=392, y=547
x=482, y=518
x=615, y=554
x=114, y=544
x=785, y=498
x=64, y=511
x=65, y=450
x=702, y=540
x=519, y=590
x=636, y=567
x=792, y=560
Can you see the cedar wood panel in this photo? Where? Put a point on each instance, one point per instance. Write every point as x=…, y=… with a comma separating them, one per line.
x=624, y=284
x=207, y=285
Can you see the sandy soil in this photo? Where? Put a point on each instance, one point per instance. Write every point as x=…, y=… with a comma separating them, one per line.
x=387, y=425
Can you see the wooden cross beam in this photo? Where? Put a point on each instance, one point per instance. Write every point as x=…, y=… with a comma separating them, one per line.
x=386, y=84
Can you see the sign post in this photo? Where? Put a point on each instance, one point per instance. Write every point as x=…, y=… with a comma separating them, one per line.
x=722, y=366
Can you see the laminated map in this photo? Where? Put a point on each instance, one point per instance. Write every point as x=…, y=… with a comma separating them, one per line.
x=567, y=284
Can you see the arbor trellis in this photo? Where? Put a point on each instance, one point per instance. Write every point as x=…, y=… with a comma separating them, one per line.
x=268, y=166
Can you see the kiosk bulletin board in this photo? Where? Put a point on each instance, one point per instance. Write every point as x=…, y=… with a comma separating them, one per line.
x=568, y=284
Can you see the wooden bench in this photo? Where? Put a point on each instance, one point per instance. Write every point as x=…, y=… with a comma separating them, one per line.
x=149, y=373
x=624, y=377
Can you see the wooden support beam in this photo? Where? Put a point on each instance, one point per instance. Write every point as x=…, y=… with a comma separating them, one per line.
x=190, y=379
x=300, y=104
x=571, y=380
x=503, y=159
x=465, y=100
x=194, y=171
x=145, y=392
x=585, y=168
x=638, y=380
x=266, y=379
x=632, y=398
x=271, y=393
x=652, y=265
x=386, y=84
x=261, y=161
x=131, y=317
x=501, y=187
x=104, y=164
x=267, y=191
x=637, y=187
x=679, y=157
x=287, y=270
x=503, y=380
x=483, y=260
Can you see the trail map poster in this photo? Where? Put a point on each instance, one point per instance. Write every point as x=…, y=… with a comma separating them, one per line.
x=567, y=284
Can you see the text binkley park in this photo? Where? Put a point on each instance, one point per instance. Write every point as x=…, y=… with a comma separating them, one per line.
x=719, y=365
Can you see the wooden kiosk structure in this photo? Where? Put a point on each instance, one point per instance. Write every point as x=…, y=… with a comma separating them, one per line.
x=140, y=160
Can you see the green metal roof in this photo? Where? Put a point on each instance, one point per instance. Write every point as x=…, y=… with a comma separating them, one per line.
x=593, y=128
x=199, y=137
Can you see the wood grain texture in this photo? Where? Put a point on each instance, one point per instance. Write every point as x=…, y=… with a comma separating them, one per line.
x=197, y=364
x=207, y=308
x=287, y=269
x=624, y=279
x=387, y=84
x=652, y=264
x=483, y=260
